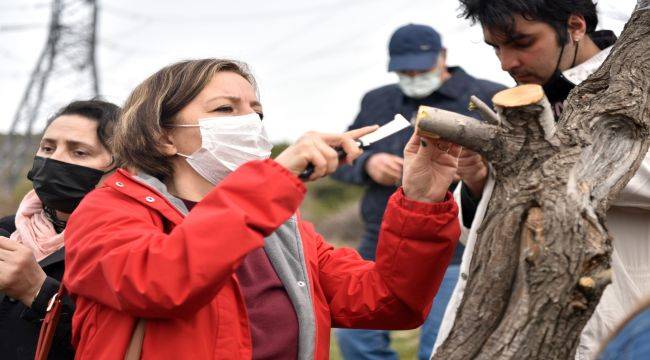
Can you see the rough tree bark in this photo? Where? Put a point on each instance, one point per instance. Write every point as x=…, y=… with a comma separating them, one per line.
x=542, y=256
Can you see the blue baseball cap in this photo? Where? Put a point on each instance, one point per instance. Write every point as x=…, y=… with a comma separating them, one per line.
x=414, y=48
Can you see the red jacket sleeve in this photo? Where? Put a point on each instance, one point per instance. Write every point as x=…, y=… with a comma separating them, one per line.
x=118, y=255
x=416, y=243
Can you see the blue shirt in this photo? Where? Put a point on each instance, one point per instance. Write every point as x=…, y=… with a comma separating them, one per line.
x=632, y=340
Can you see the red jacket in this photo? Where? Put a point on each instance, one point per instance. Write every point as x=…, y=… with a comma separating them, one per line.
x=131, y=253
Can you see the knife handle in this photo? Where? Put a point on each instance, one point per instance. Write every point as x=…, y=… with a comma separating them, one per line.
x=309, y=170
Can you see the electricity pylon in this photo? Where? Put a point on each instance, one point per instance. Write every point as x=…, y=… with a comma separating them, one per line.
x=65, y=71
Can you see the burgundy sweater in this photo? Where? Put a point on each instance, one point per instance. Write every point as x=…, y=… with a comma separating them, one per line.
x=272, y=318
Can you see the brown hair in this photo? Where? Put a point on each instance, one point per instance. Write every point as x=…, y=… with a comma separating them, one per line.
x=153, y=105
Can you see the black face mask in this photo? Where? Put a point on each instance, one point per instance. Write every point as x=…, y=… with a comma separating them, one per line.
x=557, y=88
x=61, y=185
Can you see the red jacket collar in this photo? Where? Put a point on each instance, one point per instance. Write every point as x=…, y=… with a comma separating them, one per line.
x=127, y=184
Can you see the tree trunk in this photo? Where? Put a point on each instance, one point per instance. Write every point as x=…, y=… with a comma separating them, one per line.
x=542, y=254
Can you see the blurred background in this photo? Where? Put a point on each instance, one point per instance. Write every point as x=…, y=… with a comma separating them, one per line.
x=313, y=61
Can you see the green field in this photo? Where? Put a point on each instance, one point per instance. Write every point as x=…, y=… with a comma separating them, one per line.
x=404, y=342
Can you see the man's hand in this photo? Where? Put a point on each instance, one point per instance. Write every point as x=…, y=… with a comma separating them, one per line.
x=385, y=169
x=473, y=170
x=20, y=275
x=429, y=168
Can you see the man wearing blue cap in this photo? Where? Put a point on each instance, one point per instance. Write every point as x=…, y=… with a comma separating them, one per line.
x=419, y=60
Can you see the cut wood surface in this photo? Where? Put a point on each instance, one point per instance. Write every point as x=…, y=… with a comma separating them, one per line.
x=519, y=96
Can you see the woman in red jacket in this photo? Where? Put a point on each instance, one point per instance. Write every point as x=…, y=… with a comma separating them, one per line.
x=197, y=244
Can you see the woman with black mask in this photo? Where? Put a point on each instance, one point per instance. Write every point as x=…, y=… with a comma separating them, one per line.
x=72, y=158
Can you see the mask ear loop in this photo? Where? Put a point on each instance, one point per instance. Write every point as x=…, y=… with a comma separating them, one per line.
x=50, y=214
x=111, y=163
x=557, y=65
x=575, y=53
x=182, y=126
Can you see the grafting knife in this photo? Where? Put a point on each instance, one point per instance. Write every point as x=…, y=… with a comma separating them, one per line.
x=398, y=123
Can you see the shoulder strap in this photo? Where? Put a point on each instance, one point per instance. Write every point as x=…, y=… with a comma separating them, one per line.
x=50, y=322
x=135, y=346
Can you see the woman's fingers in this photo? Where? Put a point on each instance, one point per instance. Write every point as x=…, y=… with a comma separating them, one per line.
x=426, y=149
x=351, y=148
x=454, y=150
x=309, y=149
x=413, y=144
x=357, y=133
x=469, y=161
x=319, y=161
x=467, y=153
x=319, y=150
x=324, y=158
x=337, y=139
x=442, y=147
x=330, y=155
x=347, y=141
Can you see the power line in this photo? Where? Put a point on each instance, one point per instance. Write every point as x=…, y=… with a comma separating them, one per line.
x=21, y=27
x=25, y=7
x=223, y=17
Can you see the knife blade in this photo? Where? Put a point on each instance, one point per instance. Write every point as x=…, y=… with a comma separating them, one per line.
x=398, y=123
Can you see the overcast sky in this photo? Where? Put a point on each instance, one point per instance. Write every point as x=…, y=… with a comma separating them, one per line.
x=313, y=59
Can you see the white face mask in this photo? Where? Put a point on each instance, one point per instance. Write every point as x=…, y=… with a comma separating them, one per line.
x=227, y=142
x=421, y=85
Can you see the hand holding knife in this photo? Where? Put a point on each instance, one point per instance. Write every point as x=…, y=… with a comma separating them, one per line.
x=398, y=123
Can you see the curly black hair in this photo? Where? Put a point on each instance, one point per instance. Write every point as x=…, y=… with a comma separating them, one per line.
x=499, y=14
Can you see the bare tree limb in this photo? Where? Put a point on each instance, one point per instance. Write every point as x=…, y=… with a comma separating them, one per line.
x=487, y=114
